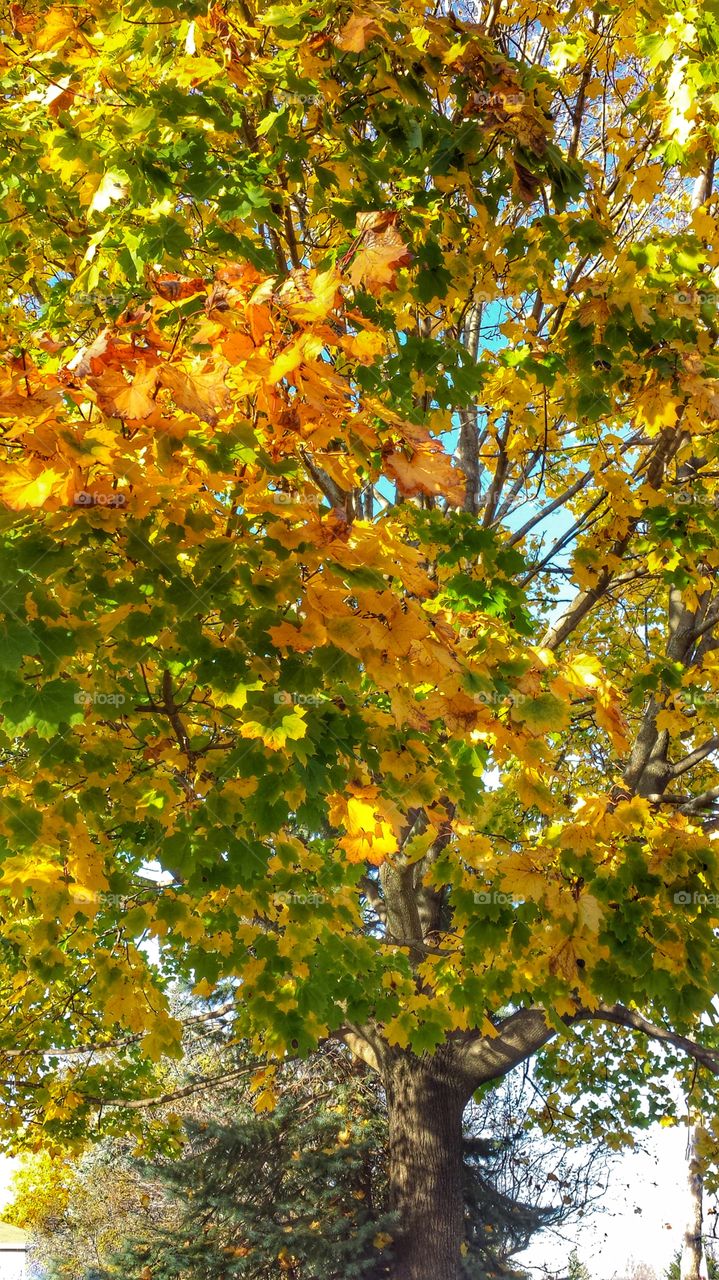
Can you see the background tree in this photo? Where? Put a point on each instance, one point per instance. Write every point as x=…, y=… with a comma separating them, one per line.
x=415, y=754
x=673, y=1271
x=576, y=1269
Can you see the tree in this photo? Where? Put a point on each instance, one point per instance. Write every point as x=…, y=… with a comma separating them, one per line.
x=577, y=1270
x=673, y=1271
x=693, y=1260
x=301, y=1182
x=305, y=1182
x=642, y=1271
x=358, y=556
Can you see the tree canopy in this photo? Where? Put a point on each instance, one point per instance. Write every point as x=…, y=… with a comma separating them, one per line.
x=358, y=541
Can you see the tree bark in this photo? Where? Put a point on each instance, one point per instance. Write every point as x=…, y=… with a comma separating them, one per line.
x=425, y=1107
x=693, y=1266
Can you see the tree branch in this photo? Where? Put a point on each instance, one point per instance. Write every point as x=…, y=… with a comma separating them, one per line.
x=696, y=756
x=620, y=1016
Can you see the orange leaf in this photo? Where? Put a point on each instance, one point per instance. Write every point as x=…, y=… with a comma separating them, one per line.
x=127, y=399
x=428, y=470
x=201, y=393
x=173, y=287
x=380, y=253
x=356, y=33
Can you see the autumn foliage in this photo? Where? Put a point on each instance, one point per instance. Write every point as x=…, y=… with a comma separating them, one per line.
x=358, y=544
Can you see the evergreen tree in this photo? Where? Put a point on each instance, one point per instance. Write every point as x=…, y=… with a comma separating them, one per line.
x=292, y=1189
x=673, y=1271
x=499, y=1224
x=577, y=1270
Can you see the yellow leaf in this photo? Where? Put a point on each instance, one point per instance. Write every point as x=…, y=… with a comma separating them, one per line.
x=112, y=187
x=57, y=26
x=609, y=718
x=311, y=295
x=382, y=1239
x=192, y=928
x=19, y=488
x=533, y=791
x=380, y=252
x=584, y=671
x=674, y=721
x=368, y=834
x=202, y=392
x=656, y=410
x=275, y=736
x=127, y=399
x=395, y=1033
x=194, y=70
x=647, y=181
x=704, y=224
x=266, y=1100
x=306, y=347
x=589, y=912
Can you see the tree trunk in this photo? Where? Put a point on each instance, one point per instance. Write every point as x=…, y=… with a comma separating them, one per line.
x=425, y=1106
x=693, y=1266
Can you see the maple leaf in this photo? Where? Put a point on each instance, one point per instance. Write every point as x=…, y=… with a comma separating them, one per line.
x=56, y=27
x=174, y=287
x=656, y=409
x=357, y=32
x=22, y=487
x=202, y=392
x=589, y=913
x=368, y=834
x=379, y=252
x=132, y=399
x=291, y=727
x=426, y=470
x=533, y=791
x=112, y=186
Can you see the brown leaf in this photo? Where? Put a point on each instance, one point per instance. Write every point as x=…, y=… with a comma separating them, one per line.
x=528, y=184
x=428, y=470
x=173, y=287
